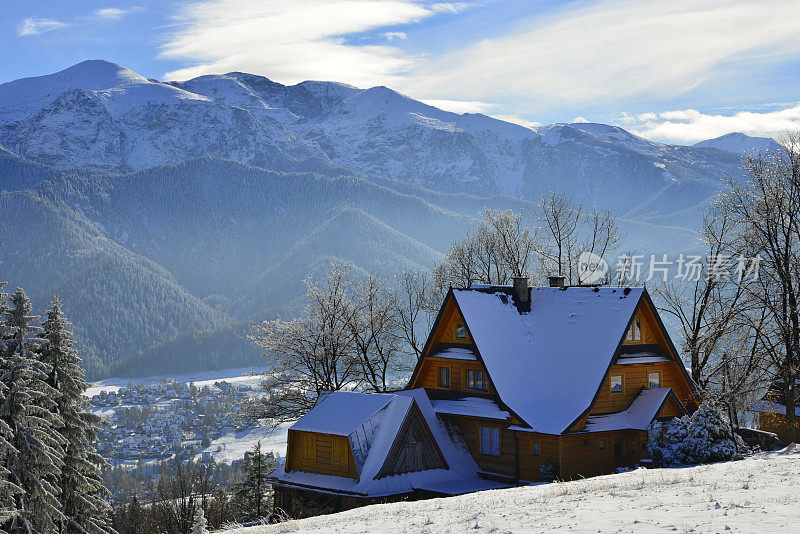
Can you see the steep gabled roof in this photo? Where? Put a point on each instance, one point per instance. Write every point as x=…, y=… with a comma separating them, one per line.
x=547, y=364
x=372, y=445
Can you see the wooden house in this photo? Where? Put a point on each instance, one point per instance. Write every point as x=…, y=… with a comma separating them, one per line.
x=517, y=383
x=771, y=412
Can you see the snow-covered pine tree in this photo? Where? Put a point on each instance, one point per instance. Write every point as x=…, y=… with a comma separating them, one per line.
x=8, y=490
x=34, y=460
x=199, y=522
x=252, y=492
x=81, y=485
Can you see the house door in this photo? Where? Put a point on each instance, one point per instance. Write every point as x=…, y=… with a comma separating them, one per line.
x=618, y=452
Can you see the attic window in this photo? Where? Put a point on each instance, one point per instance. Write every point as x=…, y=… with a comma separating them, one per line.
x=653, y=380
x=476, y=379
x=616, y=383
x=635, y=330
x=461, y=331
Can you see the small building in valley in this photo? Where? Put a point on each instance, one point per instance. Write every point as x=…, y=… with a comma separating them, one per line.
x=515, y=385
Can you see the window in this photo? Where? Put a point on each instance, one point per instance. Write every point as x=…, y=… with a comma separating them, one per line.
x=653, y=380
x=461, y=331
x=635, y=330
x=616, y=384
x=490, y=441
x=587, y=443
x=308, y=446
x=444, y=377
x=536, y=448
x=633, y=446
x=601, y=444
x=340, y=451
x=476, y=379
x=618, y=450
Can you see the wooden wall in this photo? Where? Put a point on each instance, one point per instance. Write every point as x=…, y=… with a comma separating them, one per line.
x=581, y=455
x=323, y=460
x=428, y=377
x=777, y=424
x=505, y=464
x=528, y=462
x=634, y=376
x=446, y=330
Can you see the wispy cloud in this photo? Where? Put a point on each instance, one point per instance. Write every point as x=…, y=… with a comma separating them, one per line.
x=293, y=40
x=395, y=35
x=31, y=26
x=616, y=49
x=461, y=106
x=691, y=126
x=115, y=12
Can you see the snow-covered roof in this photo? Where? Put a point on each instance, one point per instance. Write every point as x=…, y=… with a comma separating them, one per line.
x=638, y=416
x=462, y=472
x=342, y=412
x=455, y=353
x=471, y=406
x=547, y=364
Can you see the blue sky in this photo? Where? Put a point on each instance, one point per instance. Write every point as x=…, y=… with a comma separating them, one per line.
x=674, y=70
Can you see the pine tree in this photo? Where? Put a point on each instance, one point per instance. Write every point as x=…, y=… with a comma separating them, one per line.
x=8, y=490
x=199, y=522
x=81, y=485
x=252, y=491
x=34, y=459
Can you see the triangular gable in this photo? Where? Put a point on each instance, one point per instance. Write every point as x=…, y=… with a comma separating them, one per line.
x=414, y=447
x=546, y=365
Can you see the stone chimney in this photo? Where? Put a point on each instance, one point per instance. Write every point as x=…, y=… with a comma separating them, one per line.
x=521, y=294
x=556, y=281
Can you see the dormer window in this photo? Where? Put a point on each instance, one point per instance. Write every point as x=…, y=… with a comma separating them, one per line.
x=444, y=377
x=461, y=331
x=476, y=379
x=635, y=330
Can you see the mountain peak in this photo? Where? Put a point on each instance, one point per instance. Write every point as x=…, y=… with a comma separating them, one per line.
x=740, y=143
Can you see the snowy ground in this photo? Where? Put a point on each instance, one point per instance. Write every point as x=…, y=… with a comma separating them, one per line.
x=759, y=494
x=250, y=376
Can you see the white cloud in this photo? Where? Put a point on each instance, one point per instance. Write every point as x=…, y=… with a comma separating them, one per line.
x=615, y=49
x=691, y=126
x=395, y=35
x=579, y=120
x=31, y=26
x=449, y=7
x=292, y=40
x=518, y=120
x=115, y=12
x=461, y=106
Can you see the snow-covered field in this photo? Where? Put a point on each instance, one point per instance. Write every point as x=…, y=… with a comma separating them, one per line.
x=758, y=494
x=249, y=376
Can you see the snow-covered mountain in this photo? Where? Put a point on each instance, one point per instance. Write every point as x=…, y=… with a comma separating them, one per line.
x=101, y=115
x=740, y=143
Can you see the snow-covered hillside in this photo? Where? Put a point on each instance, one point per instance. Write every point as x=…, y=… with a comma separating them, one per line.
x=758, y=494
x=740, y=143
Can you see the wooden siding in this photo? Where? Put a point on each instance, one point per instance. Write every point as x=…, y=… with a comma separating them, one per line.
x=447, y=329
x=651, y=333
x=778, y=424
x=326, y=449
x=470, y=429
x=428, y=374
x=581, y=455
x=528, y=462
x=634, y=376
x=405, y=458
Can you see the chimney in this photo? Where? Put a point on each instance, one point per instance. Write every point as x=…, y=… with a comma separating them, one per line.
x=556, y=281
x=521, y=289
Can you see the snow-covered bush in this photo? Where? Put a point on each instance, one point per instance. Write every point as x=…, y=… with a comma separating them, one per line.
x=704, y=437
x=547, y=471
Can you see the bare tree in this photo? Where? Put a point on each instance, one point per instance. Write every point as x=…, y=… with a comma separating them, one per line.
x=708, y=304
x=376, y=332
x=417, y=302
x=767, y=211
x=501, y=248
x=312, y=353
